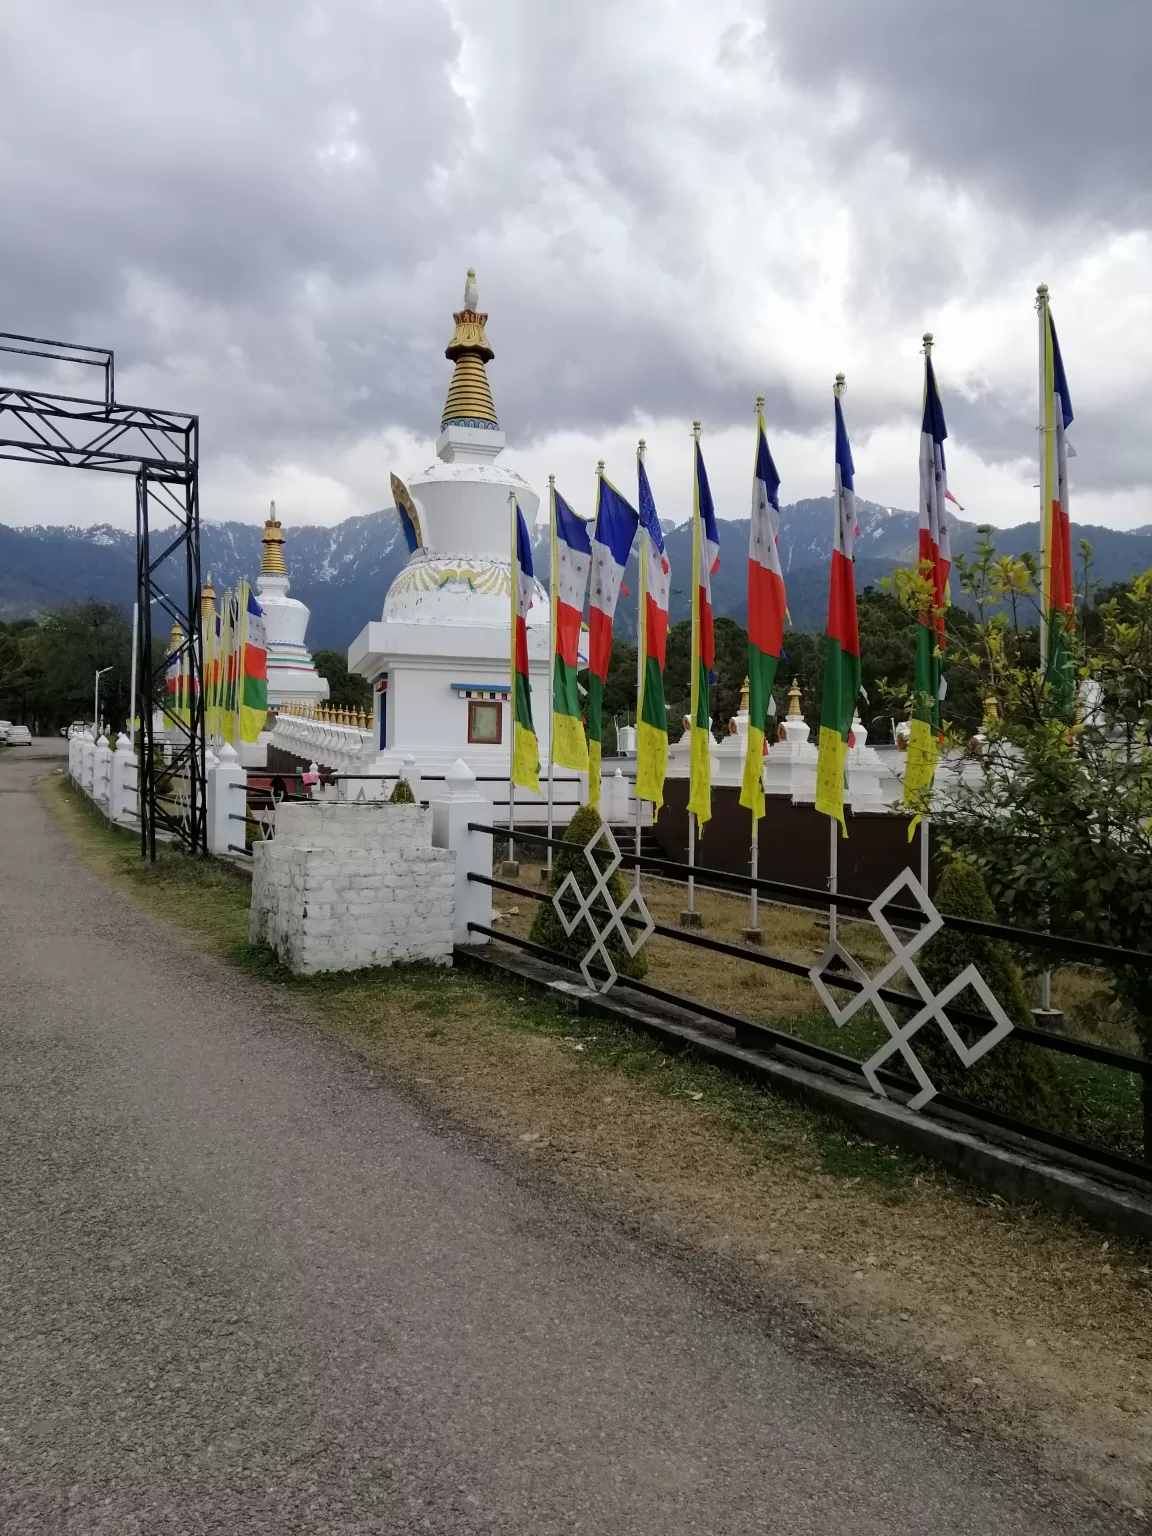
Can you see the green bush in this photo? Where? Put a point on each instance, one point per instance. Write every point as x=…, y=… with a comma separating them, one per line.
x=547, y=928
x=1015, y=1079
x=402, y=794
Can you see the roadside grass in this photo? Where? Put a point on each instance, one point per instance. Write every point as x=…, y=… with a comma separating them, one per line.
x=1106, y=1101
x=1011, y=1321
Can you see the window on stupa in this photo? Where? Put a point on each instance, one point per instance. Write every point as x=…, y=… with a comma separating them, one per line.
x=485, y=720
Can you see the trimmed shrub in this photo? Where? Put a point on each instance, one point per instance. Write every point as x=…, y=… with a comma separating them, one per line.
x=402, y=794
x=546, y=926
x=1015, y=1079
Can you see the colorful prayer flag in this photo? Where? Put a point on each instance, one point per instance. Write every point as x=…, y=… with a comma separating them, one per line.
x=611, y=541
x=571, y=563
x=525, y=748
x=705, y=562
x=766, y=608
x=935, y=556
x=1056, y=535
x=842, y=648
x=253, y=671
x=655, y=586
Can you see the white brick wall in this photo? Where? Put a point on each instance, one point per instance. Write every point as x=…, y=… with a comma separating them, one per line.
x=345, y=886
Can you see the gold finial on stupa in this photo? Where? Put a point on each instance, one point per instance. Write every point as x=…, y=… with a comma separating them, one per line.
x=794, y=712
x=991, y=708
x=744, y=697
x=176, y=640
x=273, y=541
x=469, y=402
x=207, y=600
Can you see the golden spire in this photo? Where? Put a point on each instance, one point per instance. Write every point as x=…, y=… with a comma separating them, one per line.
x=207, y=600
x=794, y=712
x=273, y=541
x=469, y=402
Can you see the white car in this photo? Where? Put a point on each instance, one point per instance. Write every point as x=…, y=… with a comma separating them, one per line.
x=5, y=727
x=19, y=736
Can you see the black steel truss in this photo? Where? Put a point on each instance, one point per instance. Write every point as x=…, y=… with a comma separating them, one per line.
x=161, y=451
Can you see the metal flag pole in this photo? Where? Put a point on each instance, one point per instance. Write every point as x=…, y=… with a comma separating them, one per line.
x=833, y=854
x=552, y=723
x=641, y=584
x=1045, y=510
x=689, y=919
x=838, y=390
x=1046, y=488
x=510, y=864
x=752, y=932
x=925, y=820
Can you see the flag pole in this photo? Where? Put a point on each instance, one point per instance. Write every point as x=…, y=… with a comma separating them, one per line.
x=689, y=918
x=552, y=719
x=833, y=825
x=641, y=584
x=752, y=934
x=926, y=819
x=1045, y=550
x=510, y=867
x=1045, y=509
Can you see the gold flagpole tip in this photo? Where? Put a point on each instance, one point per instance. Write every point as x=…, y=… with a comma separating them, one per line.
x=1042, y=289
x=927, y=338
x=839, y=387
x=599, y=466
x=695, y=426
x=759, y=404
x=551, y=481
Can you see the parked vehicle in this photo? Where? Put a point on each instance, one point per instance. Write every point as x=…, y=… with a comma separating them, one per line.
x=19, y=736
x=5, y=727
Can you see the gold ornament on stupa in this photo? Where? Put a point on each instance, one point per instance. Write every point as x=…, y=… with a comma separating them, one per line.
x=207, y=601
x=273, y=541
x=469, y=402
x=794, y=711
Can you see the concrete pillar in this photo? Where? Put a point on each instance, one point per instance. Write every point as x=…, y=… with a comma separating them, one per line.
x=102, y=772
x=123, y=808
x=411, y=774
x=226, y=803
x=89, y=763
x=456, y=803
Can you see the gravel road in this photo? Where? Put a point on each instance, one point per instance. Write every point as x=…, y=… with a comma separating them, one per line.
x=246, y=1285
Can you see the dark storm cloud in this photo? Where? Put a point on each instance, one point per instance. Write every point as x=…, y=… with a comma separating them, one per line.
x=1044, y=104
x=267, y=208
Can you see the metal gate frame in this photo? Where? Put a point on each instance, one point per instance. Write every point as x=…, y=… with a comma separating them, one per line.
x=161, y=451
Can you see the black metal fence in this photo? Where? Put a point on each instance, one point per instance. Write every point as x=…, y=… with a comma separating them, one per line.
x=762, y=1036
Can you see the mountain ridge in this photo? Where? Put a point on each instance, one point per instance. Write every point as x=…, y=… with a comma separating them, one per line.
x=343, y=571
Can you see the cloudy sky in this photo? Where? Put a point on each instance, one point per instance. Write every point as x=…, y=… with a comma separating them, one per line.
x=267, y=209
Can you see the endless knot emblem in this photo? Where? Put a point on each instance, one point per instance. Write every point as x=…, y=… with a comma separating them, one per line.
x=934, y=1003
x=597, y=904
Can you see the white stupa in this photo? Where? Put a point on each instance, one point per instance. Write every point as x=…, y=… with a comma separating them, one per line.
x=292, y=674
x=438, y=658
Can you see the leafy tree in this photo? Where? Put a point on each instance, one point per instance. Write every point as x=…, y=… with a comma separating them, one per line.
x=1015, y=1079
x=48, y=666
x=1059, y=820
x=345, y=689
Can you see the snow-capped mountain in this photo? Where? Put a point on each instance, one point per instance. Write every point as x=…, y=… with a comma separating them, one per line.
x=342, y=572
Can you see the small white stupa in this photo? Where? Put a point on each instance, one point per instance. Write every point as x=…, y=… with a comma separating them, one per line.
x=439, y=656
x=292, y=674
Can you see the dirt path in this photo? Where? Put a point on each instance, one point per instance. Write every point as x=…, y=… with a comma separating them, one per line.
x=248, y=1286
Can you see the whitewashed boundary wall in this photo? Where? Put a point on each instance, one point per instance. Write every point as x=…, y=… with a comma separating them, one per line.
x=341, y=887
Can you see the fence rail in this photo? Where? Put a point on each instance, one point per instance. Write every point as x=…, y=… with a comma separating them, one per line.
x=910, y=1004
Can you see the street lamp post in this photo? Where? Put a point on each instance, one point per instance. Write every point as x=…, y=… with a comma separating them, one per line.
x=100, y=671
